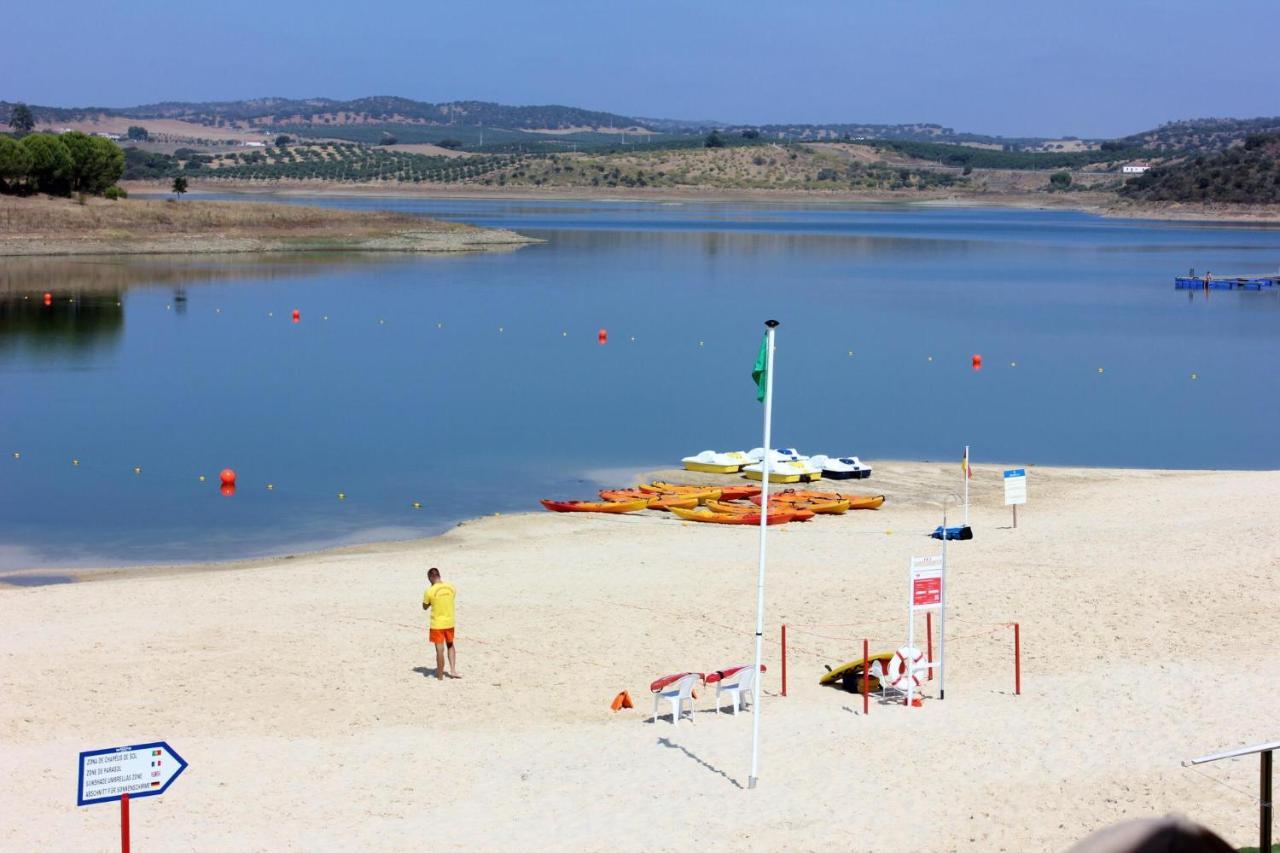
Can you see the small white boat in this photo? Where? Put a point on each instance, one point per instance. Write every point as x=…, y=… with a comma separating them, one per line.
x=780, y=454
x=793, y=471
x=711, y=462
x=841, y=468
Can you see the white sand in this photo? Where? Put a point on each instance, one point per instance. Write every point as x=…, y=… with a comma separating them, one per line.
x=295, y=689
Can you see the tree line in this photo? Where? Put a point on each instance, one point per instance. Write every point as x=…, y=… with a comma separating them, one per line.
x=57, y=164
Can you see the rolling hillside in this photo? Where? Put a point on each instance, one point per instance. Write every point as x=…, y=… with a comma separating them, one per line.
x=1248, y=174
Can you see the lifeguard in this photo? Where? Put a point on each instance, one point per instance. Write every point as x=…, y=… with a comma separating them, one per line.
x=439, y=600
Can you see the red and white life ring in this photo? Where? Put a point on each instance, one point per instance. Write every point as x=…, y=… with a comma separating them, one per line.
x=903, y=667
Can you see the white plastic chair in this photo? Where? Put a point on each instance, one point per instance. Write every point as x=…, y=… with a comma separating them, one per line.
x=740, y=689
x=880, y=672
x=676, y=694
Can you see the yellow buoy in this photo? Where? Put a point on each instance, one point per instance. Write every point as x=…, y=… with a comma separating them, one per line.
x=1195, y=376
x=1013, y=364
x=201, y=478
x=342, y=496
x=1099, y=369
x=17, y=455
x=137, y=470
x=931, y=358
x=850, y=353
x=271, y=487
x=75, y=462
x=417, y=504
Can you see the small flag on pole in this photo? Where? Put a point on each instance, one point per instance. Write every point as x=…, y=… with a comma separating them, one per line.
x=965, y=467
x=760, y=373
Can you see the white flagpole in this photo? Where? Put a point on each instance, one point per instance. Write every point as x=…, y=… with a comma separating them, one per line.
x=771, y=325
x=966, y=486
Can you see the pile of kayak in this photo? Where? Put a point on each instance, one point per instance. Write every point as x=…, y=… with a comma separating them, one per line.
x=721, y=504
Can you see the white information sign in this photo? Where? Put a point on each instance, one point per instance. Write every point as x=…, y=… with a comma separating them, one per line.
x=926, y=582
x=139, y=771
x=1015, y=486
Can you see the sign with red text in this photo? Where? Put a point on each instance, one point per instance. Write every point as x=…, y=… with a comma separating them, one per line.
x=926, y=582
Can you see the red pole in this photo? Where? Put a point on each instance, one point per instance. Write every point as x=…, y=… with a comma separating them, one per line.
x=928, y=626
x=1017, y=660
x=784, y=660
x=866, y=681
x=124, y=823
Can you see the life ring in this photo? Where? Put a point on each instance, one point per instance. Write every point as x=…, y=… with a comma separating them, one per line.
x=903, y=667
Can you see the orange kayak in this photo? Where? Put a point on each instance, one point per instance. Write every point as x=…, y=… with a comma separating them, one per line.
x=593, y=506
x=727, y=493
x=655, y=501
x=803, y=496
x=775, y=517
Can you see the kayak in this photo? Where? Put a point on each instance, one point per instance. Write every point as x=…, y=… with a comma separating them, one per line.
x=738, y=493
x=654, y=501
x=826, y=507
x=775, y=517
x=592, y=506
x=801, y=496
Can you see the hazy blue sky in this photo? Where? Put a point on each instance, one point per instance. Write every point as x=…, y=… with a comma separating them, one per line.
x=1089, y=68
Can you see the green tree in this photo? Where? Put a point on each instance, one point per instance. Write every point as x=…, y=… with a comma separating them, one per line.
x=97, y=162
x=179, y=186
x=451, y=144
x=137, y=133
x=51, y=164
x=21, y=120
x=751, y=133
x=1060, y=180
x=714, y=140
x=15, y=164
x=283, y=140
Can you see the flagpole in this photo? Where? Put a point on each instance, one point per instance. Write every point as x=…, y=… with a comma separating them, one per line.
x=966, y=486
x=771, y=325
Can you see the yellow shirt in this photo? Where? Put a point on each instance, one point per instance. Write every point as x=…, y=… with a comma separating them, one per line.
x=439, y=596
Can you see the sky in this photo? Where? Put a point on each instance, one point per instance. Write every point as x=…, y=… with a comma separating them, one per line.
x=1031, y=68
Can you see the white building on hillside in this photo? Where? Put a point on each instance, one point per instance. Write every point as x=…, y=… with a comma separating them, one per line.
x=1135, y=168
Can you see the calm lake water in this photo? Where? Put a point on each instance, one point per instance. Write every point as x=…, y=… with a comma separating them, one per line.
x=476, y=384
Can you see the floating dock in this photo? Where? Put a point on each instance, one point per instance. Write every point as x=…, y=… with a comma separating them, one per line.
x=1227, y=282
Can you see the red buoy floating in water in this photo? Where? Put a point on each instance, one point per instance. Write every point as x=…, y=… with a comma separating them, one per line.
x=977, y=362
x=297, y=315
x=602, y=336
x=228, y=477
x=227, y=489
x=48, y=299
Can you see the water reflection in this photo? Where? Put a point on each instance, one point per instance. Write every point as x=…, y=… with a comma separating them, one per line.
x=85, y=322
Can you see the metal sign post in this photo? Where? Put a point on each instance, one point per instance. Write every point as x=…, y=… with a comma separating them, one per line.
x=1015, y=490
x=125, y=773
x=926, y=593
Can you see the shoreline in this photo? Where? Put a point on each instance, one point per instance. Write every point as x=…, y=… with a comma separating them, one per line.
x=898, y=493
x=1098, y=204
x=49, y=227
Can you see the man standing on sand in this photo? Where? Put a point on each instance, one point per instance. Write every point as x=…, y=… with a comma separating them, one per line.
x=439, y=600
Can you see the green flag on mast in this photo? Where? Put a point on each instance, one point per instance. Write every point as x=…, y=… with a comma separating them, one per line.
x=760, y=373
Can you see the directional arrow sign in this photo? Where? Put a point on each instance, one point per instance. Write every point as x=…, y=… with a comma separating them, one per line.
x=139, y=771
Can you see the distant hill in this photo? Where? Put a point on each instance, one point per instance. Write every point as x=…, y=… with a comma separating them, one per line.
x=285, y=112
x=1247, y=174
x=1203, y=134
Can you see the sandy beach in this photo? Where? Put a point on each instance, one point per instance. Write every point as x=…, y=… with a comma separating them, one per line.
x=300, y=689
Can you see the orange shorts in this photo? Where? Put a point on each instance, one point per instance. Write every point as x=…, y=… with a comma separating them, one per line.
x=441, y=635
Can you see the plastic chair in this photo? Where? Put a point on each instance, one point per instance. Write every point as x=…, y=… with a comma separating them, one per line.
x=676, y=694
x=740, y=690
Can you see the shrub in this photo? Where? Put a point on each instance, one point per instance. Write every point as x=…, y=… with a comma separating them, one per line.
x=1060, y=180
x=115, y=193
x=714, y=140
x=451, y=144
x=137, y=133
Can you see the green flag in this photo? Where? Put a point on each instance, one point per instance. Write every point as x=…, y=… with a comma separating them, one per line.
x=760, y=373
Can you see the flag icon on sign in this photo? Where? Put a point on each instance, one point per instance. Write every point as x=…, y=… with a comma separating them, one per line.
x=155, y=784
x=155, y=752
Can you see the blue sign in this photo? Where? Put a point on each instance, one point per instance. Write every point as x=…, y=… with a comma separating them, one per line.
x=145, y=770
x=1016, y=472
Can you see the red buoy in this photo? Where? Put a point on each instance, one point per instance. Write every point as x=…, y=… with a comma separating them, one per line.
x=48, y=299
x=977, y=362
x=603, y=336
x=227, y=489
x=228, y=477
x=297, y=315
